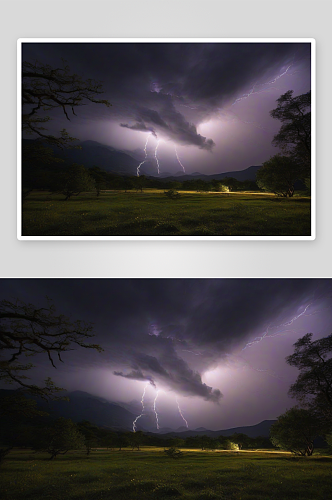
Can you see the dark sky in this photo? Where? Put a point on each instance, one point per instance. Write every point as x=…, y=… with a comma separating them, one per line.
x=207, y=103
x=215, y=346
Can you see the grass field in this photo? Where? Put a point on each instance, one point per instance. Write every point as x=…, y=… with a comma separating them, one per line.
x=149, y=474
x=151, y=213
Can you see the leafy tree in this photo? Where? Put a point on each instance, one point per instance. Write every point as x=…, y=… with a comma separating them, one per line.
x=295, y=430
x=61, y=437
x=278, y=175
x=121, y=441
x=98, y=175
x=294, y=136
x=230, y=445
x=45, y=88
x=240, y=439
x=89, y=431
x=140, y=182
x=172, y=194
x=26, y=330
x=74, y=181
x=313, y=387
x=173, y=452
x=136, y=439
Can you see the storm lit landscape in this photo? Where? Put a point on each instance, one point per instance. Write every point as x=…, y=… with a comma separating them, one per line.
x=195, y=388
x=166, y=139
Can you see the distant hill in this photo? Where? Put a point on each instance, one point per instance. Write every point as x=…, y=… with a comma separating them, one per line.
x=97, y=410
x=84, y=406
x=94, y=154
x=249, y=174
x=253, y=431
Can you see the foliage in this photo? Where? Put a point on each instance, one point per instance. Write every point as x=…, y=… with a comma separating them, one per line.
x=74, y=181
x=294, y=136
x=173, y=452
x=172, y=194
x=61, y=437
x=313, y=387
x=26, y=330
x=278, y=175
x=295, y=430
x=45, y=88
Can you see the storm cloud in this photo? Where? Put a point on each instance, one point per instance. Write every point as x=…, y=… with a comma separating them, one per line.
x=170, y=332
x=171, y=89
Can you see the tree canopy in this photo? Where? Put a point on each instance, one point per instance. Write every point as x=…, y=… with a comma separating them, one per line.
x=294, y=136
x=313, y=387
x=295, y=430
x=59, y=438
x=26, y=330
x=45, y=88
x=278, y=175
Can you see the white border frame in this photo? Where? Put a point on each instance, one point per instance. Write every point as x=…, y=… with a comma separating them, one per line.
x=312, y=41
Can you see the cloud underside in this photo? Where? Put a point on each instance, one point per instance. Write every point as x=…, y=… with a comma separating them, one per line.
x=170, y=123
x=170, y=370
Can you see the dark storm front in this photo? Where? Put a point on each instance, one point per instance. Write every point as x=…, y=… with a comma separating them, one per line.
x=166, y=139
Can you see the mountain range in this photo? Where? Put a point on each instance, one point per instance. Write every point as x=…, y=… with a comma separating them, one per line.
x=94, y=154
x=99, y=411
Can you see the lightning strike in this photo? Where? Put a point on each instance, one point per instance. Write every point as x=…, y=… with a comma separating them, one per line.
x=156, y=157
x=279, y=332
x=185, y=421
x=279, y=76
x=179, y=159
x=154, y=409
x=146, y=155
x=143, y=408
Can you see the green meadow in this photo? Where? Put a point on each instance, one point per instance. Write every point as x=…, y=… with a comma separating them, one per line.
x=149, y=474
x=151, y=213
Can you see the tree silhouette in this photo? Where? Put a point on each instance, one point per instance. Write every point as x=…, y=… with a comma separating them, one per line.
x=294, y=136
x=26, y=330
x=45, y=88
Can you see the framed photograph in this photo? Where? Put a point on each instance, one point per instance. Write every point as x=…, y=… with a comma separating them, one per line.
x=178, y=139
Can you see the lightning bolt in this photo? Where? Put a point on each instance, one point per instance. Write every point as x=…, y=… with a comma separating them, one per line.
x=154, y=409
x=280, y=332
x=142, y=412
x=185, y=421
x=245, y=96
x=156, y=157
x=179, y=159
x=279, y=76
x=252, y=91
x=146, y=155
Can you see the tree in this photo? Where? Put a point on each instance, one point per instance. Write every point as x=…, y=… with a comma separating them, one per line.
x=45, y=88
x=173, y=452
x=136, y=439
x=278, y=175
x=121, y=441
x=26, y=330
x=74, y=181
x=294, y=136
x=89, y=431
x=313, y=387
x=61, y=437
x=295, y=430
